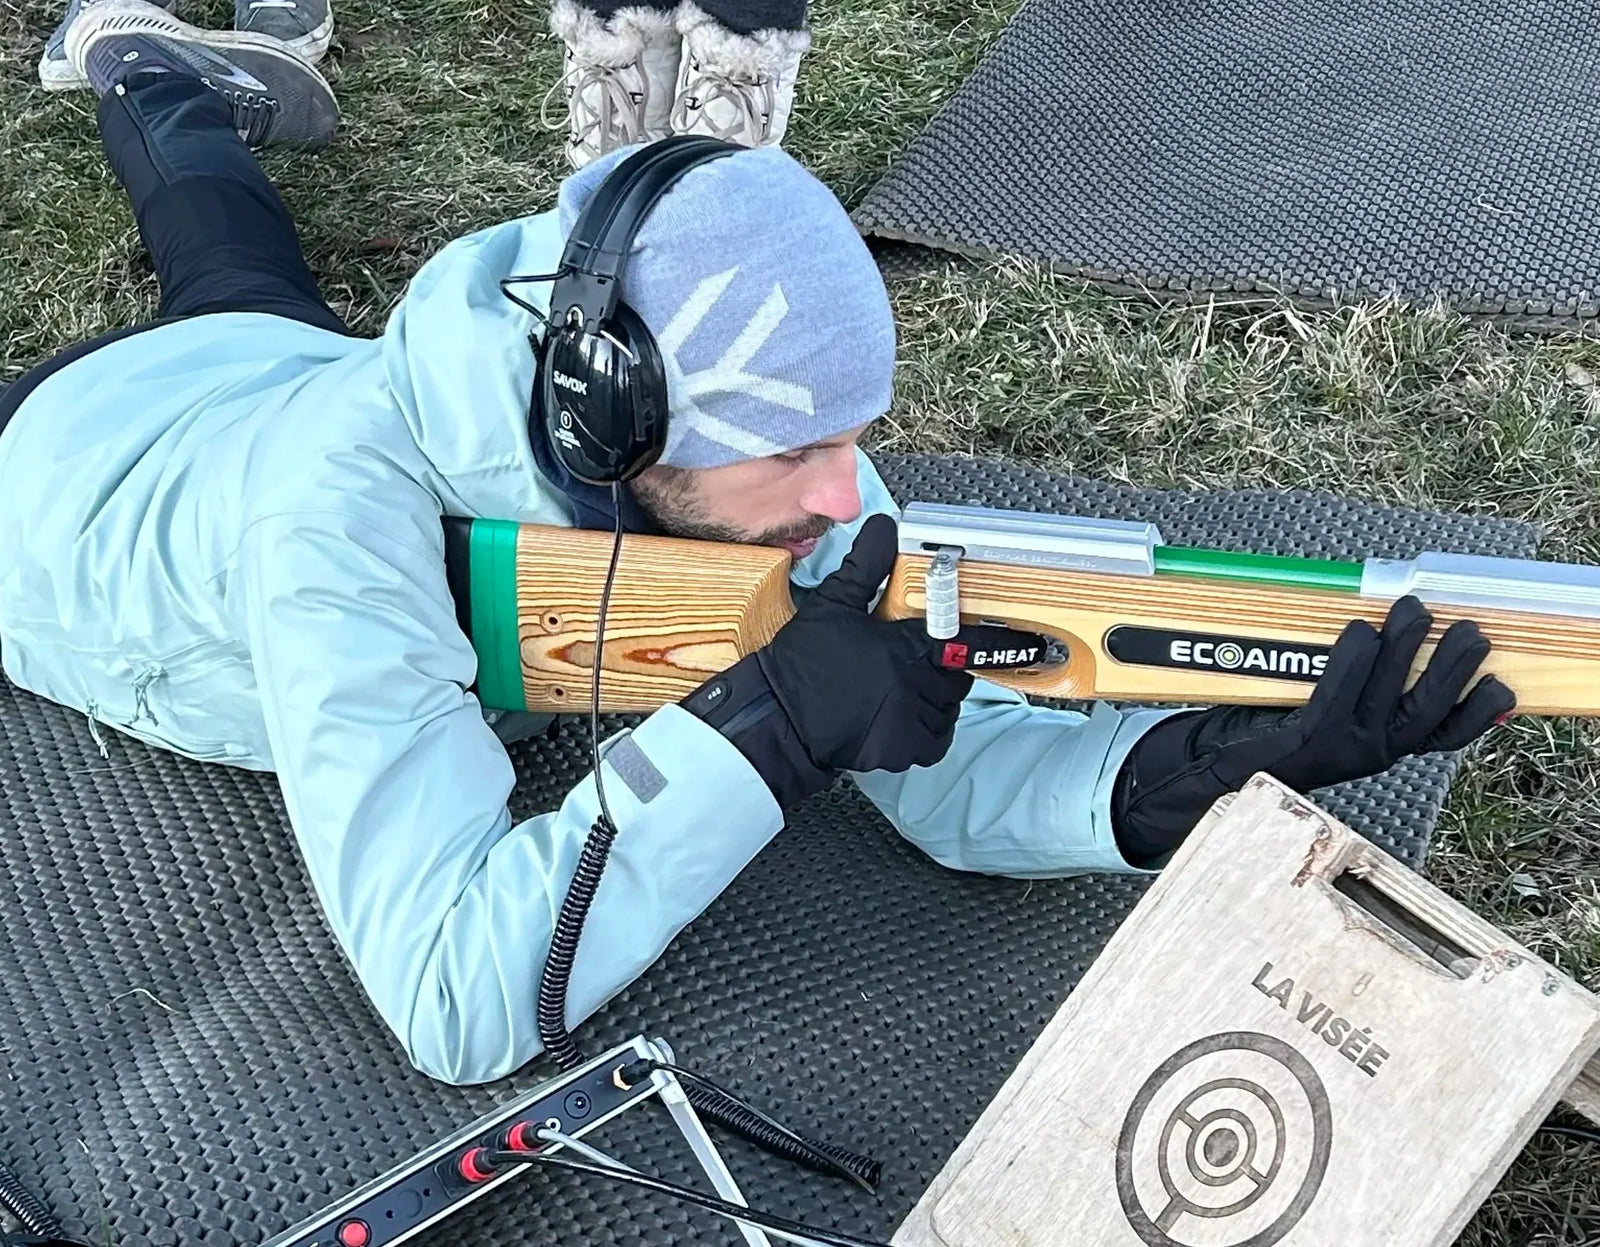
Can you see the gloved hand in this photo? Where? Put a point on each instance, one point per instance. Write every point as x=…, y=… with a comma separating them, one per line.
x=1359, y=721
x=837, y=689
x=863, y=694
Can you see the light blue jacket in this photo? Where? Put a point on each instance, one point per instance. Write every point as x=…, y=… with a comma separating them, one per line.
x=222, y=537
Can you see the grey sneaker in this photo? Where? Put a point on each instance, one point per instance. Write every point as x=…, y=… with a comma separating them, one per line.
x=56, y=72
x=305, y=25
x=277, y=98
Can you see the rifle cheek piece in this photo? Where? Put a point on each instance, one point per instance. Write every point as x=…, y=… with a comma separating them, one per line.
x=1026, y=539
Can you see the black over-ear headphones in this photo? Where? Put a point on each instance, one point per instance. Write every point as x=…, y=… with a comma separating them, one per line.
x=600, y=390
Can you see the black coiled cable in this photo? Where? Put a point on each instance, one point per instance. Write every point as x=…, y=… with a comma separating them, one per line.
x=564, y=944
x=710, y=1101
x=21, y=1204
x=616, y=1172
x=818, y=1157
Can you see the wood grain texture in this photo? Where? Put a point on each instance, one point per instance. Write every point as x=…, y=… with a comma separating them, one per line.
x=683, y=610
x=680, y=611
x=1584, y=1094
x=1551, y=663
x=1201, y=1037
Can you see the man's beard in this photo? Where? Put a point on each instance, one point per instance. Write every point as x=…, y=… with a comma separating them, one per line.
x=670, y=499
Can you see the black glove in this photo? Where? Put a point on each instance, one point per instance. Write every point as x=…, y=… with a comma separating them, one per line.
x=1359, y=721
x=837, y=689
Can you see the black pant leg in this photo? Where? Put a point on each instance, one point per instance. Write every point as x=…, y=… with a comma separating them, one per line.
x=745, y=17
x=219, y=233
x=606, y=9
x=217, y=230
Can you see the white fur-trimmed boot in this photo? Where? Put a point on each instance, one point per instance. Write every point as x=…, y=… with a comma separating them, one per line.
x=739, y=88
x=619, y=75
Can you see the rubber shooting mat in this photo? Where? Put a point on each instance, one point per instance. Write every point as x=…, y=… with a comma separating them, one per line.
x=1327, y=150
x=187, y=1059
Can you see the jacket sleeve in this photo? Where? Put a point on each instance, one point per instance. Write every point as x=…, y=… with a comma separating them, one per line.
x=1024, y=790
x=397, y=791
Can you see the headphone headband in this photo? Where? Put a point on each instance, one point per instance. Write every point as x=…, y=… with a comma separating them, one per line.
x=600, y=392
x=591, y=264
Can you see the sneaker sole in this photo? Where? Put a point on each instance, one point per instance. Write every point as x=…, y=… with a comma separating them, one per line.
x=308, y=113
x=313, y=45
x=57, y=74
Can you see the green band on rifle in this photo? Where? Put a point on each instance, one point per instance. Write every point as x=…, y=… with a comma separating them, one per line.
x=1325, y=574
x=494, y=614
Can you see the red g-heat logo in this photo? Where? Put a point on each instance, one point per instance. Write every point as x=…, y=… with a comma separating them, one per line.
x=955, y=655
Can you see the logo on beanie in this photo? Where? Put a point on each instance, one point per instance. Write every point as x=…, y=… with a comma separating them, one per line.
x=569, y=383
x=723, y=400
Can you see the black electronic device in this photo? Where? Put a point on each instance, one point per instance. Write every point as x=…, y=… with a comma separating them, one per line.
x=435, y=1183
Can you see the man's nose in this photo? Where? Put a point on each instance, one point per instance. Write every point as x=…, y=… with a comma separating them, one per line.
x=832, y=491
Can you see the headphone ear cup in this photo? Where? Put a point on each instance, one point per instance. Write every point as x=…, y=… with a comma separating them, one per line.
x=602, y=399
x=602, y=409
x=544, y=409
x=645, y=389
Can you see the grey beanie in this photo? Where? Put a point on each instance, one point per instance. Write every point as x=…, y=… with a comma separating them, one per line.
x=770, y=313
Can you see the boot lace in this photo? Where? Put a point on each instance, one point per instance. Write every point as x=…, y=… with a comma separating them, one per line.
x=753, y=104
x=597, y=127
x=253, y=115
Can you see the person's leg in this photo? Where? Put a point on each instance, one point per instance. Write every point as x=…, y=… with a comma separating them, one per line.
x=174, y=102
x=217, y=231
x=216, y=228
x=619, y=73
x=737, y=73
x=749, y=17
x=605, y=10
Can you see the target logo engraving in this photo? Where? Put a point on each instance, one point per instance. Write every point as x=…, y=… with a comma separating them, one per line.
x=1225, y=1144
x=1229, y=656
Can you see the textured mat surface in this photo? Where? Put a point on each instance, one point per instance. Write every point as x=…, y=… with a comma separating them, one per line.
x=1321, y=150
x=188, y=1061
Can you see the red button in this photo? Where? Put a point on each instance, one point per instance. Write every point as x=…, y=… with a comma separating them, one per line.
x=354, y=1234
x=521, y=1137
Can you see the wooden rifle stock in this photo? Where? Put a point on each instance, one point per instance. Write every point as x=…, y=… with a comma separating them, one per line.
x=682, y=610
